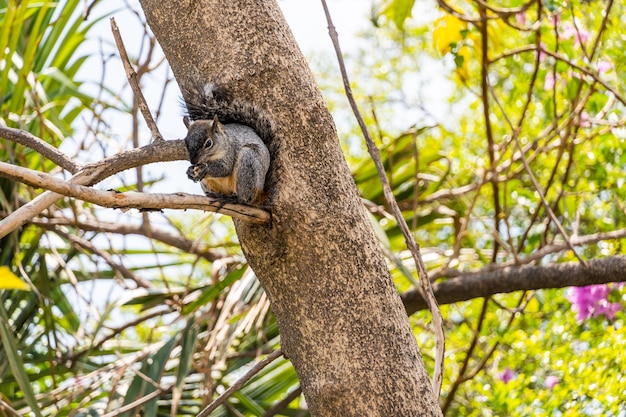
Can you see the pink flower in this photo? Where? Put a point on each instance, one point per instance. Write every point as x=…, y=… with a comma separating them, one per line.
x=549, y=82
x=506, y=375
x=555, y=19
x=521, y=18
x=583, y=120
x=570, y=31
x=551, y=381
x=592, y=301
x=608, y=309
x=603, y=66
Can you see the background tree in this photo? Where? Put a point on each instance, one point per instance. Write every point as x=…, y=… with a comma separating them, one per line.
x=163, y=336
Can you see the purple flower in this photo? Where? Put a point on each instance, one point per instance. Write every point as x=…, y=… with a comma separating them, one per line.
x=506, y=375
x=592, y=301
x=551, y=381
x=521, y=18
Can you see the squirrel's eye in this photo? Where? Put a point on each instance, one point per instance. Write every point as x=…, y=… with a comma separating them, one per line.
x=208, y=143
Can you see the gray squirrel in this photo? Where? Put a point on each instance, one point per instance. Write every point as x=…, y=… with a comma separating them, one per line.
x=227, y=147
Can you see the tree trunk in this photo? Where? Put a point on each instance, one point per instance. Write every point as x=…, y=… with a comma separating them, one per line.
x=341, y=321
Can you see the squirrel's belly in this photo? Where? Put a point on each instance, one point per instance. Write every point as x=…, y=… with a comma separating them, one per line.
x=224, y=185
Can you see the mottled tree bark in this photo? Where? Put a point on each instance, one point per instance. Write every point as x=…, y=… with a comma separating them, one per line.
x=341, y=321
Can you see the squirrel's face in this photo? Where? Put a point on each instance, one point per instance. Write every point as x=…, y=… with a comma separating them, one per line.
x=205, y=141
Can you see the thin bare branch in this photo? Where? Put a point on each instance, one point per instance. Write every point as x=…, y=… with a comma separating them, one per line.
x=138, y=402
x=389, y=197
x=5, y=406
x=40, y=146
x=468, y=355
x=454, y=12
x=585, y=71
x=149, y=231
x=132, y=80
x=484, y=89
x=240, y=382
x=163, y=151
x=119, y=269
x=170, y=150
x=542, y=197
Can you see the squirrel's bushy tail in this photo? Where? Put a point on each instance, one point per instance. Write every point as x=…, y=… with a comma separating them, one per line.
x=204, y=102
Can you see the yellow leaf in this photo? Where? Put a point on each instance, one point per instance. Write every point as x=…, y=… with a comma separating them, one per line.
x=462, y=60
x=447, y=31
x=533, y=306
x=10, y=281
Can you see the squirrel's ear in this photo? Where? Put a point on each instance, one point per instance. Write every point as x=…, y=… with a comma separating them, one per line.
x=217, y=127
x=186, y=121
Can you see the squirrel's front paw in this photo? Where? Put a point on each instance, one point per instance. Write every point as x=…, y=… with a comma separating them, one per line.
x=196, y=172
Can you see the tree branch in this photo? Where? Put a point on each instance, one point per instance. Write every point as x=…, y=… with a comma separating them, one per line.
x=239, y=383
x=148, y=231
x=530, y=277
x=134, y=84
x=161, y=151
x=141, y=201
x=118, y=269
x=40, y=146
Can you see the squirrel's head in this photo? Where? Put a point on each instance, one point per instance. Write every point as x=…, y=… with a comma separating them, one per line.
x=206, y=140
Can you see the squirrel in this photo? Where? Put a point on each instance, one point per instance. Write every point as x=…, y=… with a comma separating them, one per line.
x=227, y=147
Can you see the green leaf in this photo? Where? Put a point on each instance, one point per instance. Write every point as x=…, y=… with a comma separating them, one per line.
x=152, y=367
x=212, y=292
x=15, y=362
x=398, y=11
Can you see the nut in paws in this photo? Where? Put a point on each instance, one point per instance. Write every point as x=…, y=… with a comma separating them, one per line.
x=196, y=172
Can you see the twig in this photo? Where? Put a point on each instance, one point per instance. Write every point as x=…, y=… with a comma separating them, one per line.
x=88, y=8
x=132, y=80
x=602, y=29
x=40, y=146
x=585, y=71
x=468, y=355
x=118, y=269
x=505, y=12
x=139, y=401
x=451, y=10
x=410, y=241
x=127, y=200
x=160, y=234
x=240, y=382
x=484, y=87
x=168, y=150
x=5, y=406
x=542, y=197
